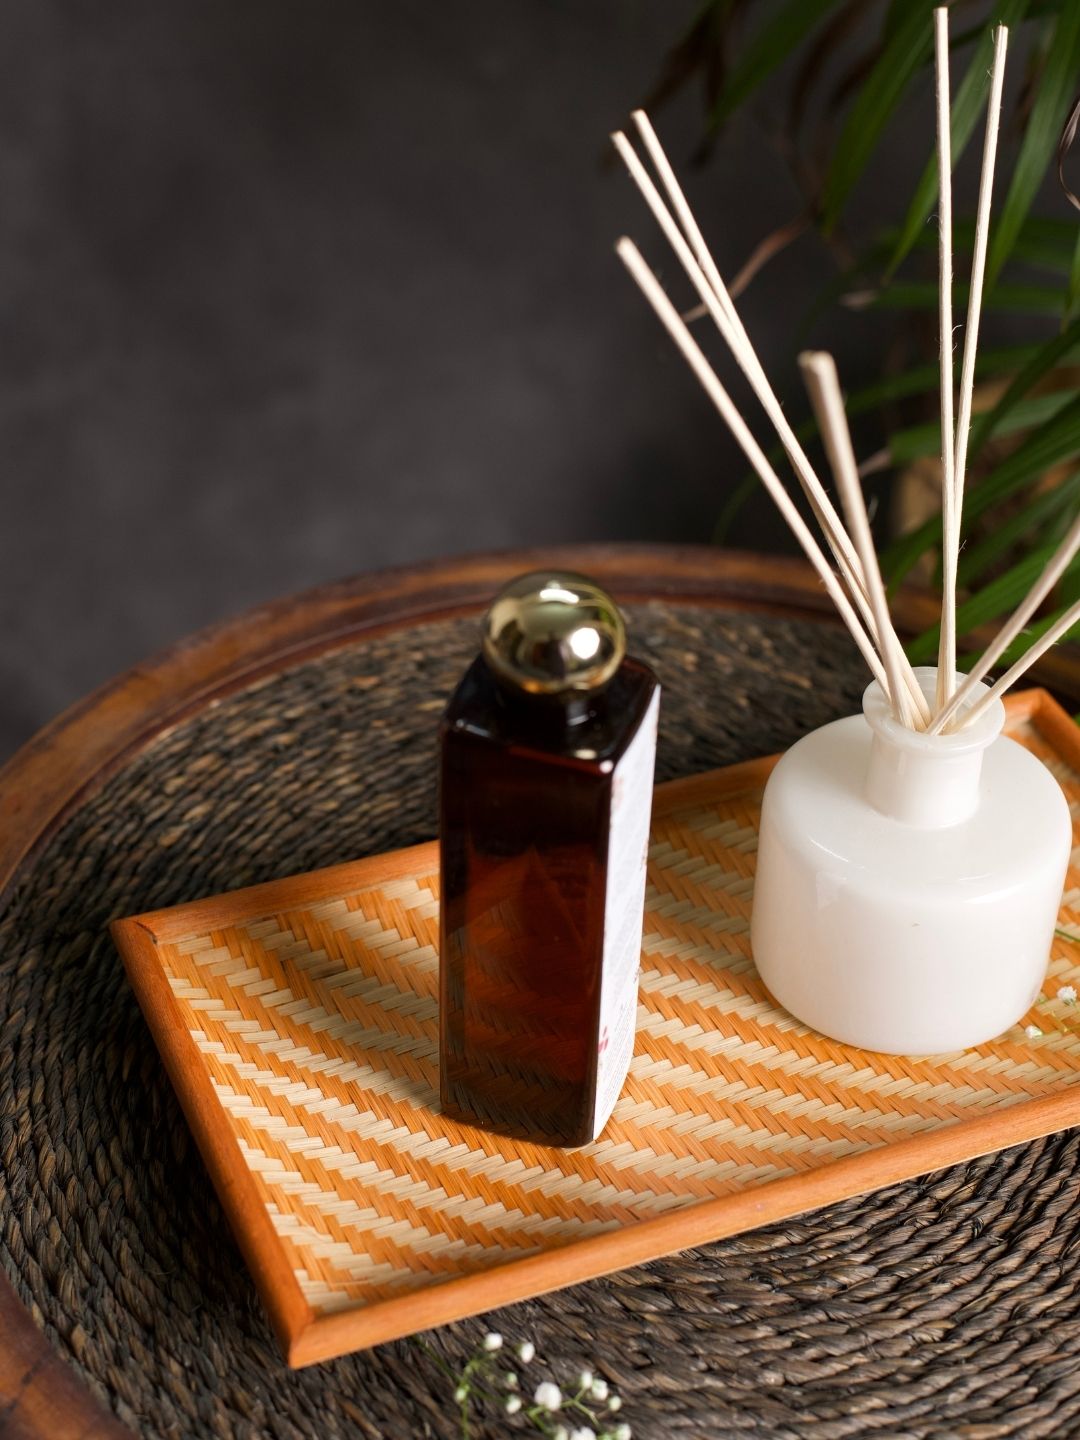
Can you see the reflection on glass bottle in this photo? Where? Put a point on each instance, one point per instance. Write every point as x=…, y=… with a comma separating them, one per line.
x=546, y=791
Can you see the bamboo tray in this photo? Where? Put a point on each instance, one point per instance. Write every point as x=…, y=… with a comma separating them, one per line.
x=298, y=1023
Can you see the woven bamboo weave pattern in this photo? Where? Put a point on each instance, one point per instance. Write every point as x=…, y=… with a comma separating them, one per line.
x=318, y=1028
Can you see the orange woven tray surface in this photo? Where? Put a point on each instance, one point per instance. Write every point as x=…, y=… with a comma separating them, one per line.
x=299, y=1023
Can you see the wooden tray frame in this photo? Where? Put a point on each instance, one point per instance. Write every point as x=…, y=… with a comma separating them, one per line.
x=307, y=1337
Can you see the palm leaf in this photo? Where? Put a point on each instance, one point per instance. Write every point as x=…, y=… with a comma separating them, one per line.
x=1000, y=597
x=906, y=48
x=1041, y=136
x=1072, y=298
x=968, y=104
x=977, y=559
x=1041, y=363
x=905, y=552
x=917, y=441
x=1055, y=441
x=1017, y=297
x=1023, y=642
x=1044, y=240
x=919, y=380
x=768, y=49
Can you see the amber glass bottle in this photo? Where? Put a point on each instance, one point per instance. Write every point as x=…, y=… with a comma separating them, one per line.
x=547, y=751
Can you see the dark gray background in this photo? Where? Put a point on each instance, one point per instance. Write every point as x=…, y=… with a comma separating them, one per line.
x=291, y=291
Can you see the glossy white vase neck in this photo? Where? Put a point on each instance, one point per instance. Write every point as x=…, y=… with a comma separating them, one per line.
x=927, y=781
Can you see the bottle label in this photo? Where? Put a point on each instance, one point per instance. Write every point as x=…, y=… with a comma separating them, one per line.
x=628, y=850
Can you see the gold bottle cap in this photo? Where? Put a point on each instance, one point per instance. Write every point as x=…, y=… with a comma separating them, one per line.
x=551, y=631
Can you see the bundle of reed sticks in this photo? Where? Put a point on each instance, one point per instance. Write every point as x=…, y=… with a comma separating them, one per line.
x=855, y=584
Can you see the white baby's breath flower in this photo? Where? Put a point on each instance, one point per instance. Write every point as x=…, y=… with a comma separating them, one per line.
x=461, y=1393
x=525, y=1351
x=1067, y=993
x=512, y=1404
x=614, y=1403
x=585, y=1379
x=623, y=1432
x=1032, y=1032
x=598, y=1389
x=493, y=1341
x=548, y=1395
x=510, y=1380
x=583, y=1432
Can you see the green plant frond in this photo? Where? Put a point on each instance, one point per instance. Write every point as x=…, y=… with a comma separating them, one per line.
x=1053, y=353
x=923, y=379
x=920, y=440
x=1048, y=243
x=968, y=104
x=1015, y=297
x=894, y=16
x=906, y=49
x=918, y=380
x=1052, y=97
x=772, y=44
x=1045, y=241
x=1072, y=298
x=1030, y=519
x=1052, y=443
x=1000, y=597
x=1023, y=642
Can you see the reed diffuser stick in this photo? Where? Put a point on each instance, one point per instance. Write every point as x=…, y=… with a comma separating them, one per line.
x=710, y=286
x=705, y=276
x=1059, y=562
x=978, y=270
x=664, y=169
x=1060, y=628
x=823, y=384
x=719, y=305
x=676, y=327
x=946, y=676
x=738, y=339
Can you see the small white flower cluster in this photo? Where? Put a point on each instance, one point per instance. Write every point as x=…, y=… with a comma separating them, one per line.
x=592, y=1391
x=592, y=1400
x=1066, y=995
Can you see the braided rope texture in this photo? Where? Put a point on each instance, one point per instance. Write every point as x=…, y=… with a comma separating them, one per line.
x=317, y=1025
x=945, y=1306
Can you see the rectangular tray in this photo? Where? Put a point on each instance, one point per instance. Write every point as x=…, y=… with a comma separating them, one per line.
x=298, y=1023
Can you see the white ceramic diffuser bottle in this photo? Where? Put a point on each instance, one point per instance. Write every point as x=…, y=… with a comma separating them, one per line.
x=908, y=884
